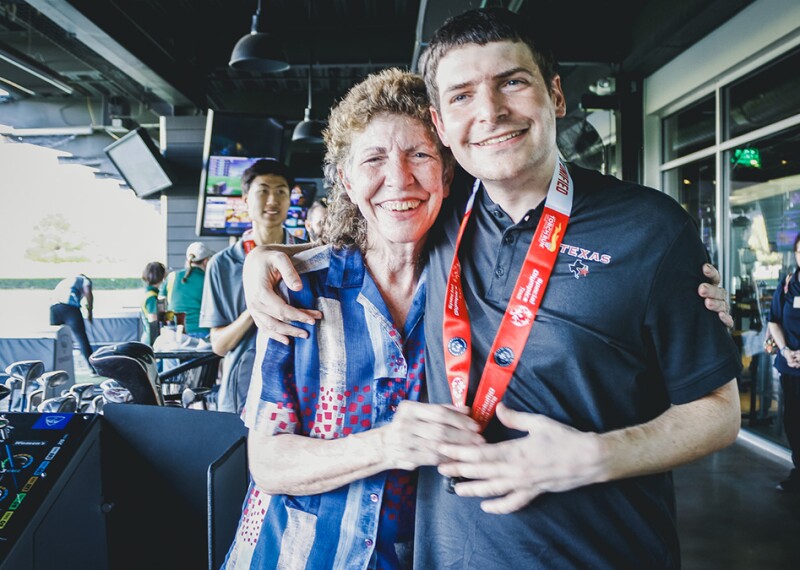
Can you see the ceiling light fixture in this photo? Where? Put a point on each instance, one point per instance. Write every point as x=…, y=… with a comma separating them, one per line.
x=258, y=51
x=308, y=130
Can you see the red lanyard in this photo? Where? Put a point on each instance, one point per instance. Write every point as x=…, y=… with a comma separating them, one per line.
x=247, y=241
x=520, y=312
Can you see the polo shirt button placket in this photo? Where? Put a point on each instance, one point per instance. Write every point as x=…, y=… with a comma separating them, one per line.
x=499, y=271
x=373, y=497
x=368, y=543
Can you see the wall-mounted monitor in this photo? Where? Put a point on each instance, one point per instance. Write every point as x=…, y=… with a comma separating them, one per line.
x=233, y=142
x=140, y=163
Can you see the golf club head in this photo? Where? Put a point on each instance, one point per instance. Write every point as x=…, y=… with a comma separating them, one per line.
x=49, y=381
x=60, y=404
x=83, y=392
x=14, y=384
x=133, y=365
x=34, y=399
x=193, y=395
x=117, y=395
x=96, y=405
x=26, y=370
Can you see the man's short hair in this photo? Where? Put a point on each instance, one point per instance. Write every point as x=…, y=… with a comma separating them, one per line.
x=480, y=27
x=263, y=167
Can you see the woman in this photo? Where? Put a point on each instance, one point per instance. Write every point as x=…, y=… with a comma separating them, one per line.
x=784, y=326
x=337, y=428
x=184, y=288
x=152, y=275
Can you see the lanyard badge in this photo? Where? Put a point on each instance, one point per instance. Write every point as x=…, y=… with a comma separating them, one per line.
x=520, y=313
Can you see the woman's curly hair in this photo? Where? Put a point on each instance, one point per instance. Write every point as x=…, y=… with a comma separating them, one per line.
x=391, y=91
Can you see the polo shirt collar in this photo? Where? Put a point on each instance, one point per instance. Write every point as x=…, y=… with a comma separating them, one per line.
x=493, y=211
x=237, y=251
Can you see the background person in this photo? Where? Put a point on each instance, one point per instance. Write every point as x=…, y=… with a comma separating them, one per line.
x=784, y=325
x=266, y=187
x=183, y=288
x=65, y=309
x=152, y=275
x=315, y=219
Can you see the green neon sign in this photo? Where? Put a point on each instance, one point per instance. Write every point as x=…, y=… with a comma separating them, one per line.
x=749, y=157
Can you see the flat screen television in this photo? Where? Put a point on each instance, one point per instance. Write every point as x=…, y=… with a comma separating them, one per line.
x=139, y=162
x=233, y=142
x=303, y=194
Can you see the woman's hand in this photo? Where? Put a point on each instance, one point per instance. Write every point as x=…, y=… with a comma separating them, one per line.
x=417, y=430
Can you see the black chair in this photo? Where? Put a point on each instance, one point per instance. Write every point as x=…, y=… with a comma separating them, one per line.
x=133, y=365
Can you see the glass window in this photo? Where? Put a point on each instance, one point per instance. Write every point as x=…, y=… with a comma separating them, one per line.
x=769, y=95
x=764, y=218
x=689, y=129
x=693, y=185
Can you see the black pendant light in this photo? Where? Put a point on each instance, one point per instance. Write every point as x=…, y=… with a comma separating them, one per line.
x=258, y=51
x=308, y=130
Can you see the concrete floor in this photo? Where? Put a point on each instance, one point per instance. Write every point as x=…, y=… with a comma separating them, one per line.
x=731, y=517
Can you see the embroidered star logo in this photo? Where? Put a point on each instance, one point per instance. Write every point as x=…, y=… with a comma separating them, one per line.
x=579, y=269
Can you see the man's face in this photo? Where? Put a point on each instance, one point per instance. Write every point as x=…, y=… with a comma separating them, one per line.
x=496, y=112
x=268, y=200
x=315, y=220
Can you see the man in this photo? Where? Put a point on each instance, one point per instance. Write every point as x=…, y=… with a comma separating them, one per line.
x=65, y=309
x=266, y=189
x=614, y=386
x=315, y=219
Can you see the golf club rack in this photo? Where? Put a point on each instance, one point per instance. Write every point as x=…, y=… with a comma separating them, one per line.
x=108, y=477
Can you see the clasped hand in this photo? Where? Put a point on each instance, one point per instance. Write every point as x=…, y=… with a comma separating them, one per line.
x=552, y=458
x=418, y=431
x=792, y=358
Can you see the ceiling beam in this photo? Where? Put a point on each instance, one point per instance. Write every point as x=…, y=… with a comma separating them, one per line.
x=87, y=32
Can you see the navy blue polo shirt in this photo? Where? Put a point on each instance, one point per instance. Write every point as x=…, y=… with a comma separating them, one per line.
x=784, y=312
x=620, y=336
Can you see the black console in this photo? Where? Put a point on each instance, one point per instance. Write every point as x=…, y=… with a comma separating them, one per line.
x=141, y=487
x=50, y=483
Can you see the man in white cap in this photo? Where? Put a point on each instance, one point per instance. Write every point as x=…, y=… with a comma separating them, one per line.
x=184, y=288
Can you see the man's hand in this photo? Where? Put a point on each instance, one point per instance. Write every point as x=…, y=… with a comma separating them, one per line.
x=550, y=459
x=418, y=430
x=716, y=298
x=263, y=270
x=792, y=358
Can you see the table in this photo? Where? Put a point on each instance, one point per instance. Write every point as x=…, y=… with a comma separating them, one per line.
x=196, y=368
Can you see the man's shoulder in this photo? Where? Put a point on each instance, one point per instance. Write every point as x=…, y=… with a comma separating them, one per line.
x=628, y=198
x=231, y=255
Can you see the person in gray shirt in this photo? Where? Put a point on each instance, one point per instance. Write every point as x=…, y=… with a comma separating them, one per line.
x=267, y=188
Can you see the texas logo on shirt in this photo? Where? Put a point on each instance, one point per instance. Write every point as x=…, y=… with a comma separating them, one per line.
x=578, y=267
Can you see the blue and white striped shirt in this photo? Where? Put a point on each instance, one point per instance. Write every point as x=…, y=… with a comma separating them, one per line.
x=347, y=377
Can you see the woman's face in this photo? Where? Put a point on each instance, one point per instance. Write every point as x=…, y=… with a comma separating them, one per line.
x=396, y=178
